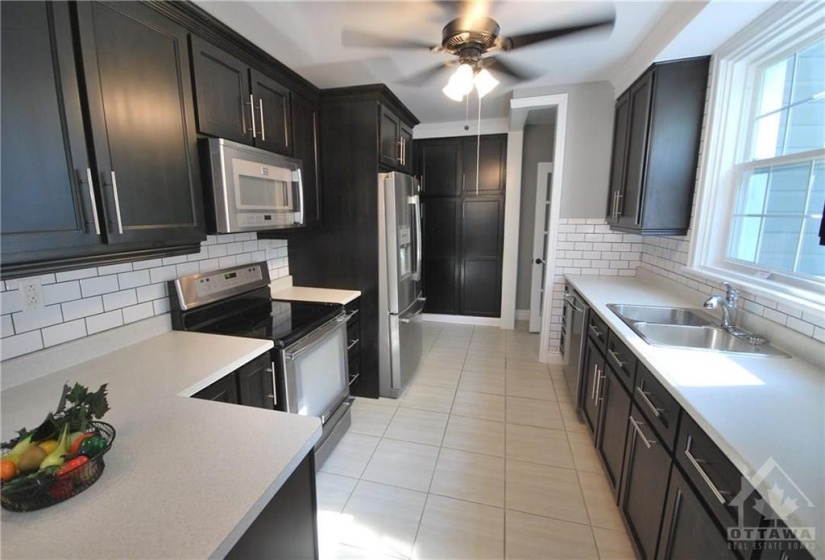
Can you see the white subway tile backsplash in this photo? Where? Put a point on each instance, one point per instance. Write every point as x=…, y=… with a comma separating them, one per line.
x=133, y=279
x=187, y=268
x=800, y=326
x=163, y=274
x=243, y=258
x=234, y=248
x=228, y=262
x=20, y=344
x=178, y=259
x=138, y=312
x=76, y=274
x=82, y=308
x=250, y=246
x=10, y=302
x=33, y=319
x=100, y=285
x=161, y=306
x=209, y=265
x=119, y=300
x=151, y=292
x=6, y=326
x=63, y=291
x=104, y=321
x=114, y=269
x=216, y=251
x=64, y=332
x=151, y=263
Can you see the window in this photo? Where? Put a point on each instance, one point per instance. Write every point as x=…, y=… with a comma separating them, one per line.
x=762, y=188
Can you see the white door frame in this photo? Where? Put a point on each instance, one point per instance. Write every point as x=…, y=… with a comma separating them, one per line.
x=519, y=108
x=542, y=208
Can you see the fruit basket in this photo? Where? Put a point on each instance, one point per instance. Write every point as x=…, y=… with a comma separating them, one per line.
x=45, y=488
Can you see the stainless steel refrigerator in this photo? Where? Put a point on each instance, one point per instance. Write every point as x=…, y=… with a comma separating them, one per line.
x=400, y=298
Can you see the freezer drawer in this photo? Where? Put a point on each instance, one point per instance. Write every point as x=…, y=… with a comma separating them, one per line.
x=404, y=346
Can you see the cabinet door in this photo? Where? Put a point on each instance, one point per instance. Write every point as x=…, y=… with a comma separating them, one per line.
x=256, y=383
x=594, y=374
x=406, y=137
x=612, y=432
x=688, y=531
x=272, y=114
x=481, y=246
x=439, y=168
x=440, y=267
x=492, y=169
x=618, y=158
x=221, y=92
x=136, y=67
x=644, y=484
x=641, y=96
x=389, y=136
x=46, y=199
x=305, y=148
x=223, y=390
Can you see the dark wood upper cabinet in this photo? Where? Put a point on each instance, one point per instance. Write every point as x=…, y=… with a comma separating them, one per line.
x=305, y=148
x=438, y=166
x=112, y=79
x=657, y=128
x=238, y=102
x=272, y=110
x=395, y=141
x=46, y=199
x=492, y=151
x=136, y=70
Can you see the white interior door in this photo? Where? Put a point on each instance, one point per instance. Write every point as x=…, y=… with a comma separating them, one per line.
x=540, y=239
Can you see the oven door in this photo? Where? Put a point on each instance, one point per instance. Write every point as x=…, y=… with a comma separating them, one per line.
x=316, y=371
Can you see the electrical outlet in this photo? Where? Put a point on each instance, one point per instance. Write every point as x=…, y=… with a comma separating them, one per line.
x=31, y=294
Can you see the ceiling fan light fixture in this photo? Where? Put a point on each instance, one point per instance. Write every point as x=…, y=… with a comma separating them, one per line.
x=484, y=82
x=460, y=83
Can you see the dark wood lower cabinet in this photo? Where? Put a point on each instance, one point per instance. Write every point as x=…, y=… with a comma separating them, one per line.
x=593, y=372
x=222, y=390
x=286, y=528
x=644, y=484
x=613, y=421
x=256, y=383
x=688, y=530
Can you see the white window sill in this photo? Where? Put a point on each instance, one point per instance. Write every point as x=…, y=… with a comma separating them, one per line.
x=803, y=300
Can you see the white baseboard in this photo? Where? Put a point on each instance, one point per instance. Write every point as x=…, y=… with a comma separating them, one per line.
x=461, y=319
x=555, y=359
x=522, y=314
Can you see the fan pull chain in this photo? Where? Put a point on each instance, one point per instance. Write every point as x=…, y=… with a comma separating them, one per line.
x=466, y=111
x=478, y=144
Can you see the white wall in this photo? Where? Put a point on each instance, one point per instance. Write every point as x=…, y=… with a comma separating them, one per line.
x=83, y=302
x=587, y=146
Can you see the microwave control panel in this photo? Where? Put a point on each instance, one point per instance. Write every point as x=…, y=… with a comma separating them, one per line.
x=260, y=219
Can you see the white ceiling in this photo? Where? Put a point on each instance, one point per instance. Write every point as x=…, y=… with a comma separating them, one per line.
x=306, y=36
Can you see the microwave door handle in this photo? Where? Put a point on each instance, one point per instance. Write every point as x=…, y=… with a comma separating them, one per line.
x=300, y=197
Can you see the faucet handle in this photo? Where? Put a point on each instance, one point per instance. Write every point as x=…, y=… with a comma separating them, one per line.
x=731, y=292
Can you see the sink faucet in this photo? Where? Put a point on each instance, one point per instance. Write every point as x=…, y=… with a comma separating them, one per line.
x=728, y=304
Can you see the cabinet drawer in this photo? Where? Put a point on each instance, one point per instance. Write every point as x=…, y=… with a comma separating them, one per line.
x=597, y=330
x=659, y=408
x=621, y=359
x=715, y=478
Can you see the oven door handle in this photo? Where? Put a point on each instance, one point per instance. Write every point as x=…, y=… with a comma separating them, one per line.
x=308, y=342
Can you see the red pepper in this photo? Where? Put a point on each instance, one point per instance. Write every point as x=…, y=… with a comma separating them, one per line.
x=71, y=465
x=61, y=489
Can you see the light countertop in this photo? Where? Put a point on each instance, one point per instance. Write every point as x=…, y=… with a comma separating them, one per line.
x=756, y=409
x=281, y=290
x=185, y=477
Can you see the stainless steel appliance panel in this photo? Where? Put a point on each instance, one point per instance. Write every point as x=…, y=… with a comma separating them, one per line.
x=403, y=240
x=575, y=338
x=406, y=345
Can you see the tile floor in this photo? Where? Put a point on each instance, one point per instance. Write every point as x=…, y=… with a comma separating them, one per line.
x=482, y=457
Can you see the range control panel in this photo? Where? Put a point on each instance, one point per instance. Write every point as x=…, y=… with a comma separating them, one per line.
x=222, y=281
x=197, y=289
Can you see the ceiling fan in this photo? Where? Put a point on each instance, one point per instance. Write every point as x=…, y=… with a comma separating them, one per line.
x=476, y=41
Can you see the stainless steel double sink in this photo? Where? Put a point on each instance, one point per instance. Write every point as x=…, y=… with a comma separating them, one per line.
x=679, y=327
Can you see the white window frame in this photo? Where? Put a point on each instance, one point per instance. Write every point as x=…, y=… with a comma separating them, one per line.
x=735, y=68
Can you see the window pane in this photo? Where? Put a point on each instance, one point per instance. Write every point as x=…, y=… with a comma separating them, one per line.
x=805, y=128
x=777, y=80
x=809, y=76
x=777, y=216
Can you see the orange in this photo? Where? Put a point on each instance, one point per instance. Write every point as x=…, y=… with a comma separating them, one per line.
x=8, y=470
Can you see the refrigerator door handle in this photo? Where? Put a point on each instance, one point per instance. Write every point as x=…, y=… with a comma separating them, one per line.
x=416, y=202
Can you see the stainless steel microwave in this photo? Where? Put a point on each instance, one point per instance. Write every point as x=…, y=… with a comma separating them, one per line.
x=249, y=189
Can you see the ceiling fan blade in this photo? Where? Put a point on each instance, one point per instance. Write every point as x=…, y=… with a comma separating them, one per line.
x=525, y=39
x=518, y=72
x=425, y=76
x=356, y=38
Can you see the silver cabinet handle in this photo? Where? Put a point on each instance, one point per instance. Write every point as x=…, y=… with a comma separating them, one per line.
x=117, y=204
x=252, y=112
x=696, y=464
x=594, y=330
x=463, y=180
x=643, y=394
x=401, y=151
x=570, y=300
x=641, y=434
x=273, y=396
x=593, y=385
x=616, y=359
x=93, y=200
x=619, y=197
x=356, y=341
x=261, y=107
x=599, y=395
x=301, y=195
